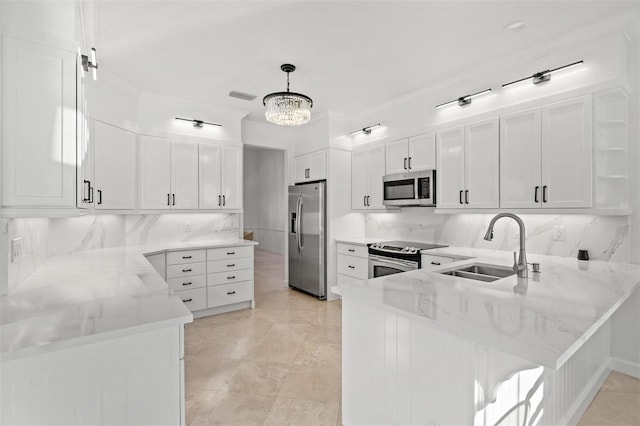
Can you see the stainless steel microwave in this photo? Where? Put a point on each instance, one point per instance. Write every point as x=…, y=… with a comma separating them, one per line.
x=410, y=189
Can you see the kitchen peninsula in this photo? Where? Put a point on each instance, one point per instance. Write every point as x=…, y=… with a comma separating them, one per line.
x=424, y=347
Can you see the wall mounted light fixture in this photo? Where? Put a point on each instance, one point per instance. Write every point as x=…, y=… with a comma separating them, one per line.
x=198, y=123
x=463, y=100
x=365, y=130
x=93, y=63
x=542, y=76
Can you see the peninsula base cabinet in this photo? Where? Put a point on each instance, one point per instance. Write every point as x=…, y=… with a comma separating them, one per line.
x=400, y=370
x=135, y=379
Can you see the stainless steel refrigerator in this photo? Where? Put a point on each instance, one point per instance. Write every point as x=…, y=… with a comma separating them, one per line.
x=307, y=238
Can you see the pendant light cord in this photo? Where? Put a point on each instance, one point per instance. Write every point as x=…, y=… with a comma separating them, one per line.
x=287, y=81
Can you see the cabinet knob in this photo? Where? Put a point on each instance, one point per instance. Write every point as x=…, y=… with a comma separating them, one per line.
x=352, y=267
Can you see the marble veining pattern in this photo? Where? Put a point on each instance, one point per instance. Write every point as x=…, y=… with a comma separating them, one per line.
x=544, y=319
x=606, y=237
x=153, y=228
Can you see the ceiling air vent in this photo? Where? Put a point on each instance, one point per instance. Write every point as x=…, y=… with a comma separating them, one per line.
x=241, y=95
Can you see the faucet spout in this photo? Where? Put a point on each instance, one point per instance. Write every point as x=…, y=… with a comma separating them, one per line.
x=520, y=266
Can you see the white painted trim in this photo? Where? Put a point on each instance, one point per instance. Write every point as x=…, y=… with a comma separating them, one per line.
x=587, y=395
x=223, y=309
x=577, y=210
x=626, y=367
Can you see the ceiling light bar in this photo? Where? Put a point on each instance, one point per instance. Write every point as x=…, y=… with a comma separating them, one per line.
x=365, y=130
x=242, y=95
x=198, y=123
x=93, y=63
x=463, y=100
x=542, y=76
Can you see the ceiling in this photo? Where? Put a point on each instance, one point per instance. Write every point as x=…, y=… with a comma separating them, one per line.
x=350, y=55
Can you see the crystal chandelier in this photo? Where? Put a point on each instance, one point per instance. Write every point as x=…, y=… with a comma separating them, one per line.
x=287, y=108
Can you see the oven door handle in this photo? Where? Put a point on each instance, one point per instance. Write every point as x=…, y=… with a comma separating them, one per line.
x=391, y=261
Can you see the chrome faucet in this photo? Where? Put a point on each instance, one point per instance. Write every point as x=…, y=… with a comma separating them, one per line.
x=519, y=265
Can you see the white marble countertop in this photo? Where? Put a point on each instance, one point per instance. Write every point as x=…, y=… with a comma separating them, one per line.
x=544, y=319
x=360, y=241
x=90, y=296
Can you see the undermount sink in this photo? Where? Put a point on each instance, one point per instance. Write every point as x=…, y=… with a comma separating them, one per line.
x=481, y=272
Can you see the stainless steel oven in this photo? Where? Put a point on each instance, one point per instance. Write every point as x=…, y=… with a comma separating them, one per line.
x=393, y=257
x=410, y=189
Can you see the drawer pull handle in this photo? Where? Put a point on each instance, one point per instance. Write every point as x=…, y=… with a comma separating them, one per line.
x=187, y=300
x=233, y=277
x=352, y=267
x=231, y=292
x=186, y=270
x=231, y=266
x=352, y=250
x=435, y=263
x=189, y=283
x=186, y=257
x=231, y=252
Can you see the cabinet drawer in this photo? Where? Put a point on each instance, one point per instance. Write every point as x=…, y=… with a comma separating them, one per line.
x=229, y=265
x=186, y=270
x=353, y=250
x=186, y=256
x=227, y=294
x=187, y=283
x=431, y=261
x=344, y=279
x=229, y=252
x=229, y=277
x=355, y=267
x=194, y=299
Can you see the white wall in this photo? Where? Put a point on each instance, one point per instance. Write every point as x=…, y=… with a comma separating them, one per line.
x=265, y=207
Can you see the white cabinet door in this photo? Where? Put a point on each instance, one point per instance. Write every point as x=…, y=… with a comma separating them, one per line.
x=115, y=167
x=300, y=168
x=422, y=152
x=317, y=165
x=482, y=164
x=520, y=150
x=231, y=177
x=567, y=154
x=38, y=125
x=184, y=175
x=359, y=179
x=210, y=186
x=450, y=178
x=376, y=173
x=84, y=150
x=397, y=156
x=155, y=173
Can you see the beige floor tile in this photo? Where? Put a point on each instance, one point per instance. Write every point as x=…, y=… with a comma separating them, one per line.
x=613, y=408
x=232, y=408
x=618, y=382
x=290, y=411
x=203, y=372
x=319, y=356
x=258, y=378
x=322, y=385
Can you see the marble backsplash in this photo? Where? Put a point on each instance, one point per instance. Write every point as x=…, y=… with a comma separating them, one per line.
x=46, y=238
x=606, y=237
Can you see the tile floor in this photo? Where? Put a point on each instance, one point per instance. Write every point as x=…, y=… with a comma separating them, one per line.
x=279, y=364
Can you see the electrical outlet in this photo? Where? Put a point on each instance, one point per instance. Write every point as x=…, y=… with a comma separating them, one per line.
x=16, y=249
x=558, y=233
x=187, y=226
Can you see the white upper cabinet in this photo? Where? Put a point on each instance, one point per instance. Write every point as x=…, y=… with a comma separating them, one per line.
x=220, y=180
x=38, y=125
x=450, y=177
x=210, y=182
x=310, y=167
x=413, y=154
x=546, y=156
x=155, y=173
x=115, y=167
x=468, y=166
x=567, y=152
x=367, y=171
x=482, y=166
x=520, y=161
x=84, y=148
x=184, y=175
x=231, y=177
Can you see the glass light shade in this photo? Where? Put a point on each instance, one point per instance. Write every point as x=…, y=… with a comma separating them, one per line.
x=287, y=108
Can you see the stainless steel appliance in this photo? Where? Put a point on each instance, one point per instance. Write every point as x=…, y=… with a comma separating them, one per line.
x=307, y=238
x=393, y=257
x=410, y=189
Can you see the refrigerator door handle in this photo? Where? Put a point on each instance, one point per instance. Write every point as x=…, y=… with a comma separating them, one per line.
x=298, y=220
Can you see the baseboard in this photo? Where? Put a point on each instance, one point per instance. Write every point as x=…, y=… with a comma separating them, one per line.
x=223, y=309
x=586, y=396
x=268, y=250
x=626, y=367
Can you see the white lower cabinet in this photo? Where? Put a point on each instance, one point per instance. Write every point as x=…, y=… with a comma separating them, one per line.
x=227, y=294
x=353, y=263
x=429, y=261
